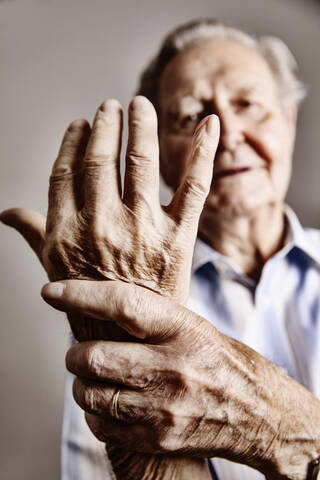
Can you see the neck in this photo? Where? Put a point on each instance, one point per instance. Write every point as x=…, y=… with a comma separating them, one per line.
x=248, y=240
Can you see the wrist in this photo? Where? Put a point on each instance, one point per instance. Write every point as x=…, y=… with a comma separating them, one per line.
x=138, y=466
x=293, y=426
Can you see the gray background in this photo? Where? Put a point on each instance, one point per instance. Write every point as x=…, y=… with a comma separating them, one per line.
x=59, y=60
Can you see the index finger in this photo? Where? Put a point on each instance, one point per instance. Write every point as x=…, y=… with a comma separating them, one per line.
x=187, y=203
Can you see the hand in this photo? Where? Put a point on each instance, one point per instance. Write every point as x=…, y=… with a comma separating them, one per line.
x=186, y=389
x=93, y=232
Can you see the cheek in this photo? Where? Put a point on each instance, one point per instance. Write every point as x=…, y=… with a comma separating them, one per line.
x=275, y=145
x=266, y=140
x=174, y=157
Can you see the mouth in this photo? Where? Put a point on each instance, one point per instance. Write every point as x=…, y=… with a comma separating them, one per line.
x=230, y=172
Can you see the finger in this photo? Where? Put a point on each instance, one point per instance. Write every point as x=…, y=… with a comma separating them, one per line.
x=30, y=224
x=64, y=191
x=132, y=438
x=141, y=187
x=97, y=398
x=131, y=364
x=101, y=164
x=188, y=201
x=140, y=312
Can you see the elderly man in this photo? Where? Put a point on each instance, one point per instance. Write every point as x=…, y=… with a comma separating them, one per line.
x=238, y=379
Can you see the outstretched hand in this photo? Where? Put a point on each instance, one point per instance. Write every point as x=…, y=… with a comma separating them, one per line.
x=93, y=231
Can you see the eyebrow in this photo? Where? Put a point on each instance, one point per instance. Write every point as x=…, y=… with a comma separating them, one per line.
x=190, y=100
x=249, y=89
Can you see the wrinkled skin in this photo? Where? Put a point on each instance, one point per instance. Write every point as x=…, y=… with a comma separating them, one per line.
x=92, y=231
x=187, y=389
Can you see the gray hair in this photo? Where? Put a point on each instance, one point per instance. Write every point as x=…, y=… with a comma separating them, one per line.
x=276, y=53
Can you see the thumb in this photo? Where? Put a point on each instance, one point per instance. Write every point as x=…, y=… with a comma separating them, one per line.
x=30, y=224
x=141, y=312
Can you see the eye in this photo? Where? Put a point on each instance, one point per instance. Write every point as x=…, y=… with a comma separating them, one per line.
x=244, y=104
x=183, y=123
x=251, y=109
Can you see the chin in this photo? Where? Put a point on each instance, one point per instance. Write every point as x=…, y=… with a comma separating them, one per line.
x=235, y=205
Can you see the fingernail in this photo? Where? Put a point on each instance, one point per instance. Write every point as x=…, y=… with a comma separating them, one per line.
x=52, y=291
x=212, y=125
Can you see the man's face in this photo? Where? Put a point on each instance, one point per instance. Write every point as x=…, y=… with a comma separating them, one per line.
x=253, y=160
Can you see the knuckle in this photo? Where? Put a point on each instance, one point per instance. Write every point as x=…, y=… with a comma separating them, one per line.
x=131, y=308
x=161, y=439
x=144, y=381
x=98, y=160
x=126, y=410
x=166, y=444
x=195, y=188
x=131, y=410
x=167, y=431
x=134, y=303
x=60, y=171
x=124, y=306
x=90, y=398
x=103, y=120
x=139, y=159
x=94, y=360
x=202, y=150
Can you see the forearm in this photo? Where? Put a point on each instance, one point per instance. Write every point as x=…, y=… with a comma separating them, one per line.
x=137, y=466
x=296, y=443
x=275, y=421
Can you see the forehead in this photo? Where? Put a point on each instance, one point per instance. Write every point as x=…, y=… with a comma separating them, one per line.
x=196, y=70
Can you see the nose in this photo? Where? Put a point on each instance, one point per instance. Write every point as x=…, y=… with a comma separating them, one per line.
x=231, y=132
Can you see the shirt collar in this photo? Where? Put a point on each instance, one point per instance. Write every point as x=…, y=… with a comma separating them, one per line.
x=296, y=237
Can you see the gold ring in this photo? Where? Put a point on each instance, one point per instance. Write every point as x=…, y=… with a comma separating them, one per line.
x=114, y=404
